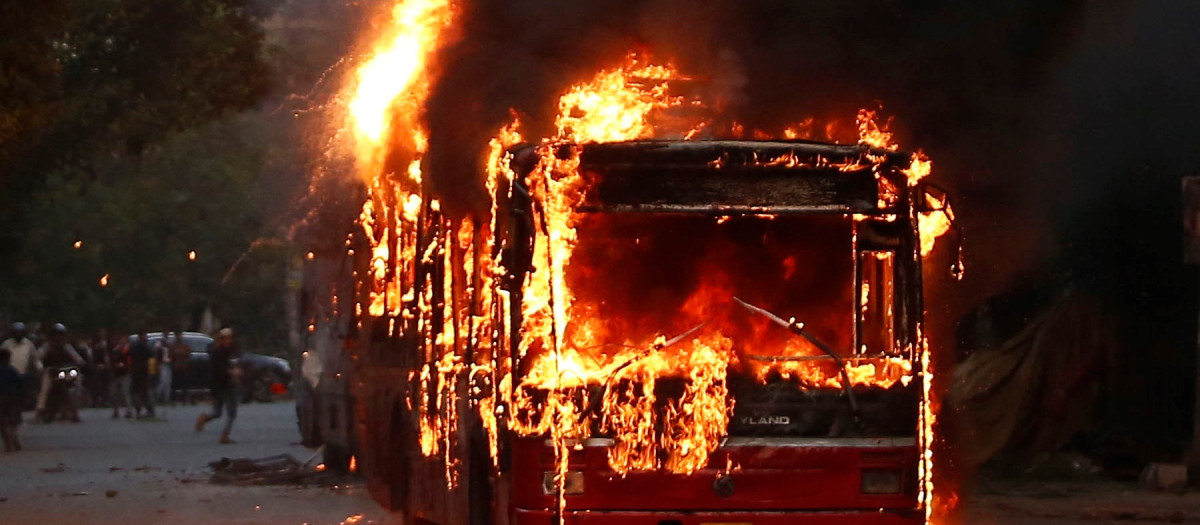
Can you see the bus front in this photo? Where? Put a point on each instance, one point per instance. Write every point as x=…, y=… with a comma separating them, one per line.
x=715, y=332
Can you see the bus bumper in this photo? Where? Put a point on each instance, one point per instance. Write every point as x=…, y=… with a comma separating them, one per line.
x=840, y=517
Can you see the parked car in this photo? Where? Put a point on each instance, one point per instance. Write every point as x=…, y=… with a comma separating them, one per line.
x=266, y=377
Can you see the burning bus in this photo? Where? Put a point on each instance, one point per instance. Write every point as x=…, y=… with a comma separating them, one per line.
x=689, y=331
x=742, y=343
x=669, y=332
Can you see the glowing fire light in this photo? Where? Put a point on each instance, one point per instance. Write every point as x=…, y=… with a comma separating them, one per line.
x=616, y=104
x=78, y=244
x=873, y=134
x=104, y=280
x=392, y=85
x=391, y=88
x=932, y=224
x=192, y=255
x=918, y=169
x=558, y=334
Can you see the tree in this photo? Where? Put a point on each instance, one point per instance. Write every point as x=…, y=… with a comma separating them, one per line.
x=86, y=81
x=184, y=226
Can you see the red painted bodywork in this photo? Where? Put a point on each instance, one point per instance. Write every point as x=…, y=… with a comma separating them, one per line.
x=772, y=484
x=546, y=517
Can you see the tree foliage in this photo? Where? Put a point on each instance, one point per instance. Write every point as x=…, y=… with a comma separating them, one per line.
x=146, y=130
x=138, y=223
x=86, y=80
x=124, y=125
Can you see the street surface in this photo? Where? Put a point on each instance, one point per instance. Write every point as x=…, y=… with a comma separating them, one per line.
x=1064, y=502
x=159, y=472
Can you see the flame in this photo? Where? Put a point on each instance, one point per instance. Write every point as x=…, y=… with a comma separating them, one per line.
x=78, y=244
x=872, y=134
x=883, y=372
x=390, y=89
x=932, y=225
x=616, y=104
x=918, y=169
x=192, y=255
x=561, y=335
x=927, y=421
x=396, y=74
x=104, y=280
x=434, y=280
x=799, y=130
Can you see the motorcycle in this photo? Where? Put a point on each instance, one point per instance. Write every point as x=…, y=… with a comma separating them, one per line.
x=62, y=402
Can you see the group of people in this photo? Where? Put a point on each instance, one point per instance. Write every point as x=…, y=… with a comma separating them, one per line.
x=121, y=372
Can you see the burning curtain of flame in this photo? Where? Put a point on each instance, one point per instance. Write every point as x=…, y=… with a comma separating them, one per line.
x=390, y=89
x=397, y=73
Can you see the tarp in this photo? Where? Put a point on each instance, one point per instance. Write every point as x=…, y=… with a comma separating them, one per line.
x=1037, y=390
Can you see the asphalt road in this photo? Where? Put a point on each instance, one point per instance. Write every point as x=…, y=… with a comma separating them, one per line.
x=159, y=472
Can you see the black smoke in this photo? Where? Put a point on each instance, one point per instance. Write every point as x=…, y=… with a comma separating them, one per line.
x=942, y=67
x=1061, y=126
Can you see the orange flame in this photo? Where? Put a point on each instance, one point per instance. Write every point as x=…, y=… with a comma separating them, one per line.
x=937, y=221
x=872, y=134
x=616, y=104
x=396, y=74
x=559, y=335
x=390, y=90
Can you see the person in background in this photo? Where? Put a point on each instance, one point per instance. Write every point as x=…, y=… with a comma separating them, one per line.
x=24, y=358
x=23, y=351
x=118, y=366
x=12, y=393
x=162, y=353
x=141, y=354
x=101, y=373
x=223, y=355
x=180, y=354
x=57, y=353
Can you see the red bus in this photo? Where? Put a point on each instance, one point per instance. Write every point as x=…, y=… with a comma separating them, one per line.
x=657, y=332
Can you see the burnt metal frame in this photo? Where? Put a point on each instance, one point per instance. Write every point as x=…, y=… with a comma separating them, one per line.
x=835, y=180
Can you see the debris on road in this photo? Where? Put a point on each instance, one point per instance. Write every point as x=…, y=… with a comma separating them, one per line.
x=281, y=469
x=110, y=493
